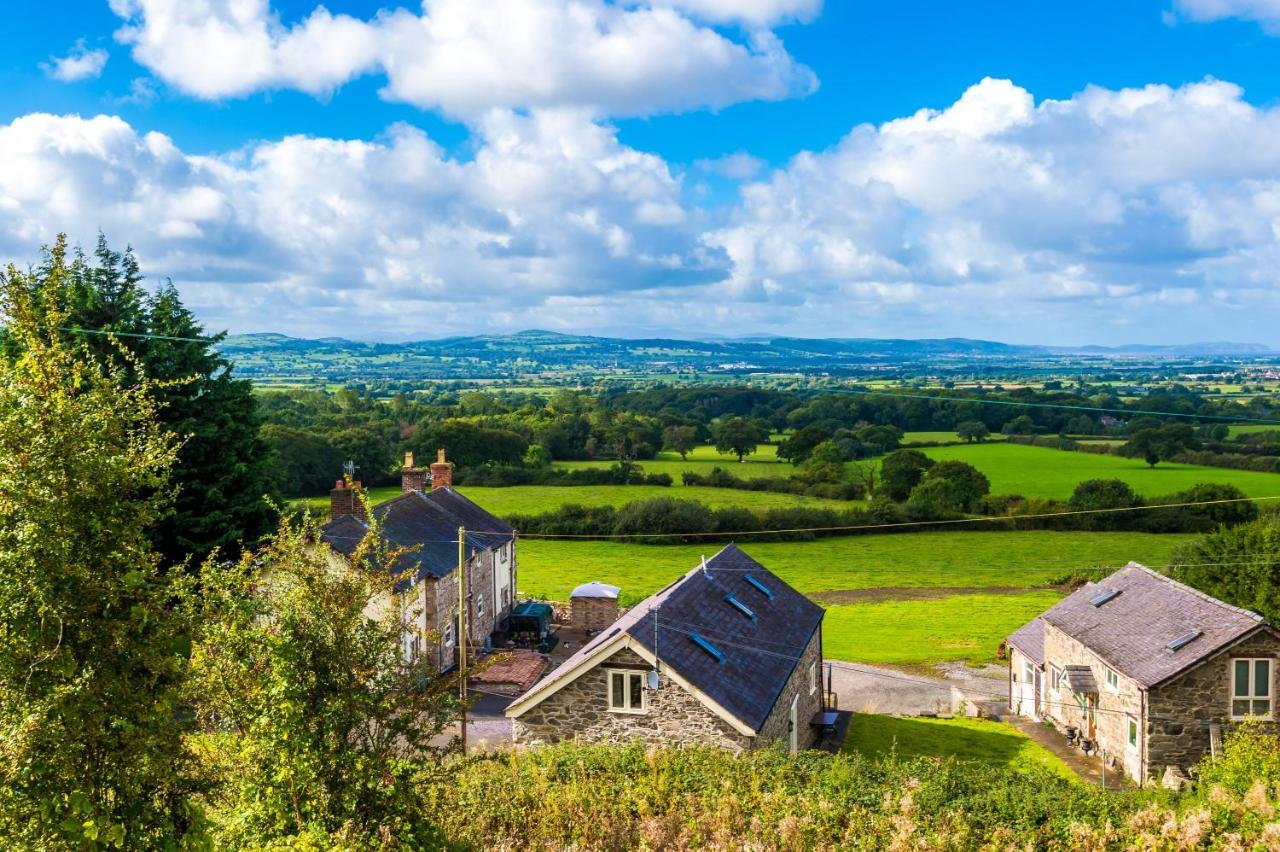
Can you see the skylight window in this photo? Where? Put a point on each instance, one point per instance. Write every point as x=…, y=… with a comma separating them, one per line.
x=1109, y=595
x=1184, y=640
x=760, y=587
x=740, y=607
x=708, y=647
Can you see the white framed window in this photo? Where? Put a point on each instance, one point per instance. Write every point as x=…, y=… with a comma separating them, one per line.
x=626, y=691
x=1111, y=678
x=415, y=647
x=448, y=635
x=1028, y=672
x=813, y=678
x=1055, y=678
x=1131, y=734
x=1251, y=687
x=479, y=605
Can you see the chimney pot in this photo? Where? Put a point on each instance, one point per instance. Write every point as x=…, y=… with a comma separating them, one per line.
x=441, y=473
x=412, y=479
x=344, y=501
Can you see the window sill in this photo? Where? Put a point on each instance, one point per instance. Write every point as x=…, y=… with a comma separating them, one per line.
x=1267, y=718
x=624, y=712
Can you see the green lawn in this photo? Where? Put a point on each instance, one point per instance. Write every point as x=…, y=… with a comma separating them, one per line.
x=1045, y=472
x=909, y=599
x=968, y=627
x=966, y=739
x=536, y=499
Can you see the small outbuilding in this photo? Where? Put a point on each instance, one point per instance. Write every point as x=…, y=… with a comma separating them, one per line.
x=593, y=606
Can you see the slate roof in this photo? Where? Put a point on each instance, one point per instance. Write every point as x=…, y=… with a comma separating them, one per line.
x=1029, y=639
x=1131, y=631
x=758, y=655
x=428, y=522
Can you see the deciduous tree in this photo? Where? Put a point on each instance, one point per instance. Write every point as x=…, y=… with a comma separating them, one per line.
x=93, y=649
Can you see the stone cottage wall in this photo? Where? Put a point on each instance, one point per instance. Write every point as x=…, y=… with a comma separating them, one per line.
x=1180, y=712
x=440, y=606
x=580, y=711
x=776, y=728
x=1115, y=708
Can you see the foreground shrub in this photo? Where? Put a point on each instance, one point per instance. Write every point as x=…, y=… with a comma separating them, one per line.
x=633, y=797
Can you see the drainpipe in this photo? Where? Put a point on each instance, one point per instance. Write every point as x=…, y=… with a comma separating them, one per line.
x=1142, y=743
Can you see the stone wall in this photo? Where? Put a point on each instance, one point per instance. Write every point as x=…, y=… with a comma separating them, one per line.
x=777, y=727
x=593, y=613
x=580, y=711
x=1109, y=724
x=1181, y=711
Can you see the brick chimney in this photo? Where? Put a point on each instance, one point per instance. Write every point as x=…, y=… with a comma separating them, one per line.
x=441, y=472
x=412, y=478
x=345, y=500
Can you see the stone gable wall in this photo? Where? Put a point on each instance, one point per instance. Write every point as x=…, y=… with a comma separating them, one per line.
x=1115, y=708
x=1182, y=710
x=580, y=711
x=777, y=727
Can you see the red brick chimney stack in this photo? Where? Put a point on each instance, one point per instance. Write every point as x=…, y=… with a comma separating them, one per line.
x=412, y=478
x=345, y=500
x=441, y=473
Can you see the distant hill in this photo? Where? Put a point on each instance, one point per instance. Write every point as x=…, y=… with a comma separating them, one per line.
x=290, y=360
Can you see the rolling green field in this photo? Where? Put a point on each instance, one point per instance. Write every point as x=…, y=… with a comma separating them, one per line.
x=1045, y=472
x=957, y=594
x=763, y=462
x=941, y=437
x=975, y=740
x=536, y=499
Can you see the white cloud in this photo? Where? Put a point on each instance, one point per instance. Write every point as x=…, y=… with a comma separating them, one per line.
x=752, y=12
x=1116, y=201
x=80, y=63
x=1265, y=12
x=389, y=237
x=1147, y=214
x=739, y=165
x=466, y=57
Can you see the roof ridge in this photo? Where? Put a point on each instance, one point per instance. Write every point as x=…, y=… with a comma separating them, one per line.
x=1193, y=591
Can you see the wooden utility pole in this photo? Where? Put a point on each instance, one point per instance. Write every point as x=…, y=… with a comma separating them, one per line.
x=462, y=631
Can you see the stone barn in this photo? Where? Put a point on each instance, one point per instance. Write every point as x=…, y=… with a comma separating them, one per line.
x=1149, y=670
x=593, y=606
x=727, y=655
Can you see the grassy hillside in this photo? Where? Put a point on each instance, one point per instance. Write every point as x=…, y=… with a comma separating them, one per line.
x=1045, y=472
x=910, y=599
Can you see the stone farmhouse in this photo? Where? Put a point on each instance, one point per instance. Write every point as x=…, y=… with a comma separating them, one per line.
x=726, y=655
x=427, y=519
x=1148, y=669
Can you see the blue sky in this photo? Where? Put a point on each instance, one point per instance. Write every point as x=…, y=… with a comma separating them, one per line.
x=1089, y=172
